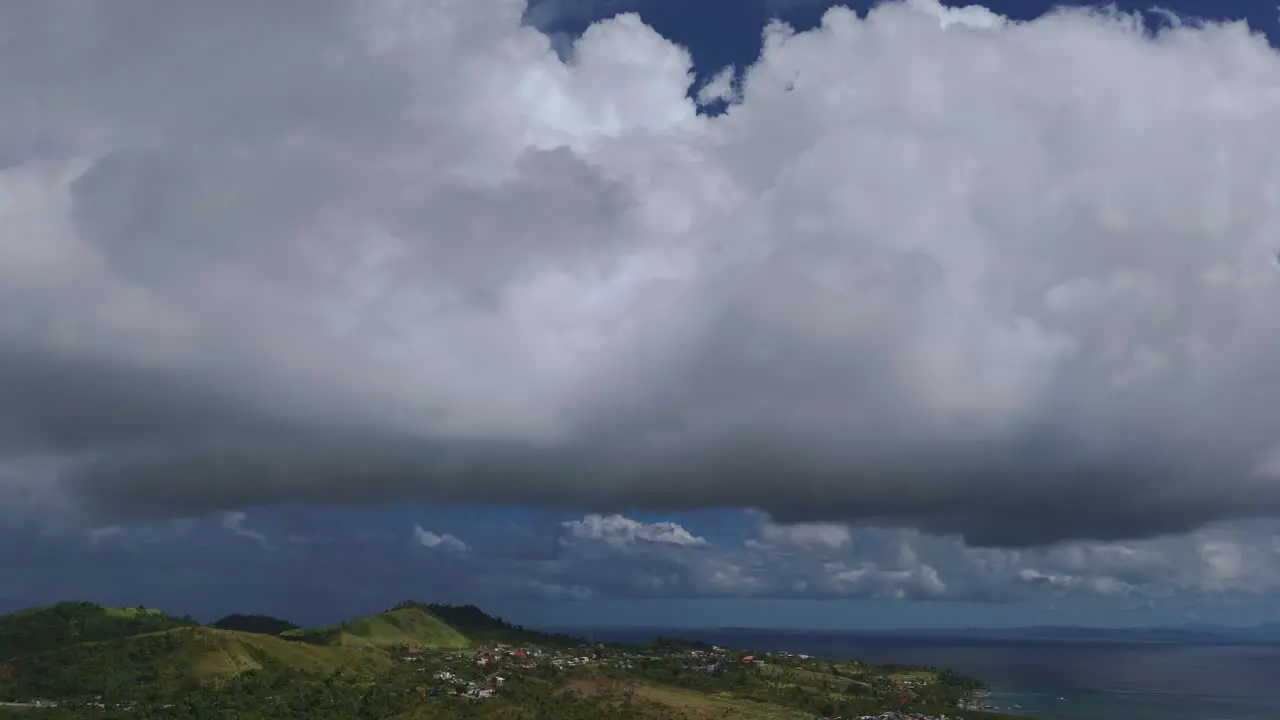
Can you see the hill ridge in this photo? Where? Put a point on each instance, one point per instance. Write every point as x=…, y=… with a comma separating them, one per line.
x=254, y=623
x=48, y=627
x=399, y=626
x=182, y=657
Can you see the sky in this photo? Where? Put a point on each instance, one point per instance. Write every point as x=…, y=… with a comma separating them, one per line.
x=767, y=313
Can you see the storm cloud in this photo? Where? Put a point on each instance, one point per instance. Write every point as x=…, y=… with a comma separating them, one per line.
x=1014, y=282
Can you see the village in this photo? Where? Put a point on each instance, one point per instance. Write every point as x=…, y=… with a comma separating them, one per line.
x=485, y=672
x=480, y=673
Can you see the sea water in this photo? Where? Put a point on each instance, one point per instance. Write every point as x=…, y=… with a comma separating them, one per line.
x=1076, y=705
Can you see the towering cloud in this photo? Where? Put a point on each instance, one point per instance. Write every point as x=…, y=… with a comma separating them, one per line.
x=1009, y=280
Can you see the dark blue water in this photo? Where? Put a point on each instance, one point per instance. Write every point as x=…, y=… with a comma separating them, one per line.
x=1056, y=680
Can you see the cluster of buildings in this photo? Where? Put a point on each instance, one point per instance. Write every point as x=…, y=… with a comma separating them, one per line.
x=480, y=673
x=448, y=682
x=895, y=715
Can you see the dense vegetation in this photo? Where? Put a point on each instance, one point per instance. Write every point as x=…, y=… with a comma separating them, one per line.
x=54, y=626
x=160, y=665
x=482, y=627
x=261, y=624
x=395, y=696
x=427, y=662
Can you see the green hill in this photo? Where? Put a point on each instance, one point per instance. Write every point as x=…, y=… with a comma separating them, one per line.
x=261, y=624
x=405, y=625
x=173, y=661
x=55, y=626
x=355, y=669
x=482, y=627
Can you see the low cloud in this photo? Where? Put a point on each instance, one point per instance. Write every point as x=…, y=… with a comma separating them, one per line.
x=857, y=562
x=234, y=523
x=360, y=564
x=1007, y=281
x=623, y=532
x=435, y=541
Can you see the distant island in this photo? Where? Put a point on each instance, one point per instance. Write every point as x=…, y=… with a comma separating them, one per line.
x=420, y=661
x=1262, y=634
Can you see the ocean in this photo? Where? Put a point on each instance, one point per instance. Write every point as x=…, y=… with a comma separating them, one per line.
x=1052, y=679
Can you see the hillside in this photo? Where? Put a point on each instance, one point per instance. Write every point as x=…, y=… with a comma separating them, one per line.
x=481, y=627
x=405, y=625
x=260, y=624
x=54, y=626
x=172, y=661
x=193, y=673
x=435, y=662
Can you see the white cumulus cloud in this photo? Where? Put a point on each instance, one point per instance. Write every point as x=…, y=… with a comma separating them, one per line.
x=620, y=531
x=435, y=541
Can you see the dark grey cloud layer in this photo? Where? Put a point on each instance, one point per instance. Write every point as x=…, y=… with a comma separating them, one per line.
x=1008, y=281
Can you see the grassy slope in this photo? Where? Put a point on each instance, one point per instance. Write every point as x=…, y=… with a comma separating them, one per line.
x=677, y=703
x=174, y=659
x=402, y=626
x=54, y=626
x=682, y=703
x=693, y=705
